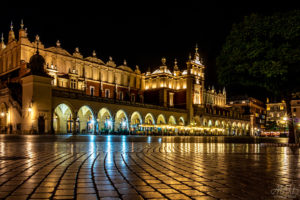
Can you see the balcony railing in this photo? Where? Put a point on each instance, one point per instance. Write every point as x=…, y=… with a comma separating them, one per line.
x=76, y=94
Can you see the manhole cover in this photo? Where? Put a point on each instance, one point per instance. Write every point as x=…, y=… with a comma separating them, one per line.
x=12, y=157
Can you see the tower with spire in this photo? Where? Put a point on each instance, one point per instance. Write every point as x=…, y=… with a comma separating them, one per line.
x=11, y=34
x=22, y=32
x=195, y=83
x=2, y=44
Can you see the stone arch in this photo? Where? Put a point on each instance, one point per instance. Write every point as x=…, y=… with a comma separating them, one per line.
x=67, y=103
x=105, y=120
x=121, y=121
x=149, y=119
x=3, y=117
x=161, y=119
x=234, y=128
x=86, y=119
x=239, y=128
x=223, y=124
x=172, y=120
x=210, y=123
x=243, y=129
x=204, y=122
x=136, y=120
x=181, y=121
x=228, y=128
x=217, y=123
x=63, y=119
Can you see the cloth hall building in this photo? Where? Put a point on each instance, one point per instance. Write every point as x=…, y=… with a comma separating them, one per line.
x=49, y=90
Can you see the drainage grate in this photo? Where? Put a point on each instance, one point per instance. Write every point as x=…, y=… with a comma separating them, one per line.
x=12, y=157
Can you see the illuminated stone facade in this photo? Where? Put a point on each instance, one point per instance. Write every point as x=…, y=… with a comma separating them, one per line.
x=87, y=95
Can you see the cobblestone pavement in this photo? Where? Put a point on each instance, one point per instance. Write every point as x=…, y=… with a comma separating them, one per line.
x=62, y=167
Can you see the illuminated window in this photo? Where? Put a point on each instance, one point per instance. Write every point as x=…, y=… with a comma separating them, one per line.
x=268, y=107
x=171, y=99
x=281, y=107
x=73, y=83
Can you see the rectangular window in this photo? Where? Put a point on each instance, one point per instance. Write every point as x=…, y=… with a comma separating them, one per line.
x=92, y=90
x=73, y=84
x=121, y=96
x=294, y=109
x=107, y=93
x=171, y=100
x=132, y=97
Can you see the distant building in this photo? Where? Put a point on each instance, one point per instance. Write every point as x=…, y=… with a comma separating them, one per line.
x=295, y=106
x=277, y=112
x=253, y=107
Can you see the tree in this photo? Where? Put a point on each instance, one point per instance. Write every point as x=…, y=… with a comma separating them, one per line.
x=263, y=52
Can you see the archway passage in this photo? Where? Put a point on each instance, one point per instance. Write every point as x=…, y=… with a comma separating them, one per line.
x=149, y=119
x=86, y=120
x=62, y=119
x=3, y=118
x=105, y=121
x=172, y=120
x=135, y=121
x=121, y=122
x=181, y=121
x=161, y=119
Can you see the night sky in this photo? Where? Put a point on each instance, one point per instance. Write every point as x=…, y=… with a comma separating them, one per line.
x=141, y=35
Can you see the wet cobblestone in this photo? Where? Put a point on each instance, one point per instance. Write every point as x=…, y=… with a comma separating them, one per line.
x=90, y=167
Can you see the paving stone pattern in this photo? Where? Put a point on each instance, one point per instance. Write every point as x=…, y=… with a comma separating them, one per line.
x=148, y=168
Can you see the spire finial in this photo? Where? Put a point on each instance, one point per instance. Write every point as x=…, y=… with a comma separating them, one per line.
x=22, y=24
x=37, y=38
x=110, y=58
x=77, y=49
x=197, y=56
x=94, y=53
x=125, y=62
x=175, y=65
x=2, y=38
x=58, y=43
x=190, y=56
x=11, y=26
x=163, y=61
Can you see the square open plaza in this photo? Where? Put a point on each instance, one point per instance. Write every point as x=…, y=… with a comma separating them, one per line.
x=75, y=127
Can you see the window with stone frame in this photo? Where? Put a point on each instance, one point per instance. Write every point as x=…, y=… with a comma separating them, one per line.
x=107, y=93
x=133, y=97
x=92, y=90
